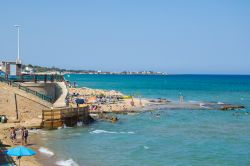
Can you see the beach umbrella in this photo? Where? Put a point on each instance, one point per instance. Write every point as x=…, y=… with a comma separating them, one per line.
x=20, y=151
x=92, y=100
x=79, y=101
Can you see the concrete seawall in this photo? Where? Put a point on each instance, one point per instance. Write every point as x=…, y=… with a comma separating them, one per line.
x=58, y=91
x=49, y=89
x=62, y=92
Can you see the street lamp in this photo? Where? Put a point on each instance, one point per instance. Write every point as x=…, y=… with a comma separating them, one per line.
x=18, y=61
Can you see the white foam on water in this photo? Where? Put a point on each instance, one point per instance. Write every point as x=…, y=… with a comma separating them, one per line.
x=146, y=147
x=43, y=133
x=102, y=131
x=193, y=101
x=35, y=131
x=110, y=132
x=202, y=105
x=79, y=124
x=220, y=103
x=65, y=127
x=130, y=132
x=46, y=151
x=68, y=162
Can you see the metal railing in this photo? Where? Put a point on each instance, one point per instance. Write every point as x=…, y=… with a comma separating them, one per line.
x=28, y=90
x=37, y=77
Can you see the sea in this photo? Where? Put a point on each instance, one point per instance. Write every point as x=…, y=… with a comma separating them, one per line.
x=160, y=137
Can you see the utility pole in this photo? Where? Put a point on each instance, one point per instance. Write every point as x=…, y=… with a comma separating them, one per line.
x=18, y=61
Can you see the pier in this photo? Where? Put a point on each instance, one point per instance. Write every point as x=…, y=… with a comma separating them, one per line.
x=58, y=117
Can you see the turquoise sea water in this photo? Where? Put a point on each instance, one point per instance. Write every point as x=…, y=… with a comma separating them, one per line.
x=177, y=137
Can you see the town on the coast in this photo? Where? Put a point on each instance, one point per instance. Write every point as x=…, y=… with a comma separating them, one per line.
x=31, y=69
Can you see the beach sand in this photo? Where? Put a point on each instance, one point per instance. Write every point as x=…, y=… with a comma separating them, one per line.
x=122, y=105
x=4, y=137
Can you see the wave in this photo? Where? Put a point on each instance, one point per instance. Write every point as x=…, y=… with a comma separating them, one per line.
x=63, y=127
x=203, y=105
x=193, y=101
x=46, y=151
x=220, y=103
x=146, y=147
x=43, y=133
x=79, y=124
x=110, y=132
x=68, y=162
x=102, y=131
x=35, y=131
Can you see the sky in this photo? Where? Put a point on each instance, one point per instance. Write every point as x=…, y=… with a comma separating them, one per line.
x=174, y=36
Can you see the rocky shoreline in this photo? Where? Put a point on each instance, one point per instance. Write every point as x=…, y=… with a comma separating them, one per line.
x=103, y=102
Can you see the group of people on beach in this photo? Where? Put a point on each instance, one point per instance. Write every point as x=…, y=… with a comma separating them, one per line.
x=24, y=135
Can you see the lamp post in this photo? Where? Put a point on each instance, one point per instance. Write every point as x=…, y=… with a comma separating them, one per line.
x=18, y=61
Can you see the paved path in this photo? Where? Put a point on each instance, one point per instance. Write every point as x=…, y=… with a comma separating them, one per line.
x=60, y=102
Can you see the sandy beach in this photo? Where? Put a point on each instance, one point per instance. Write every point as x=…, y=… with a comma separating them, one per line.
x=114, y=101
x=4, y=137
x=31, y=120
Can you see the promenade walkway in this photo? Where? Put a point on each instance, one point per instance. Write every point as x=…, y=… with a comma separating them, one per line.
x=60, y=102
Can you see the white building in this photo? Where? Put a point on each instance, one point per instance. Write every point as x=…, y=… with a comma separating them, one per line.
x=28, y=70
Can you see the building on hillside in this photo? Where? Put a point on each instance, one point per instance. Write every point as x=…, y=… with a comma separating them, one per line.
x=28, y=70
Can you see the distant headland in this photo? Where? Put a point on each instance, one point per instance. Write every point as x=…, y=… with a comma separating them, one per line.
x=40, y=69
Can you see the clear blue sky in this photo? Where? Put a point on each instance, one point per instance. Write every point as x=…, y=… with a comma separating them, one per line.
x=175, y=36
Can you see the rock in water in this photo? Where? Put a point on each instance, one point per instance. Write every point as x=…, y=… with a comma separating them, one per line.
x=231, y=107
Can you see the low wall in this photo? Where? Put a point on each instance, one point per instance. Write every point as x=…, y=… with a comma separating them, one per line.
x=54, y=118
x=49, y=89
x=61, y=92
